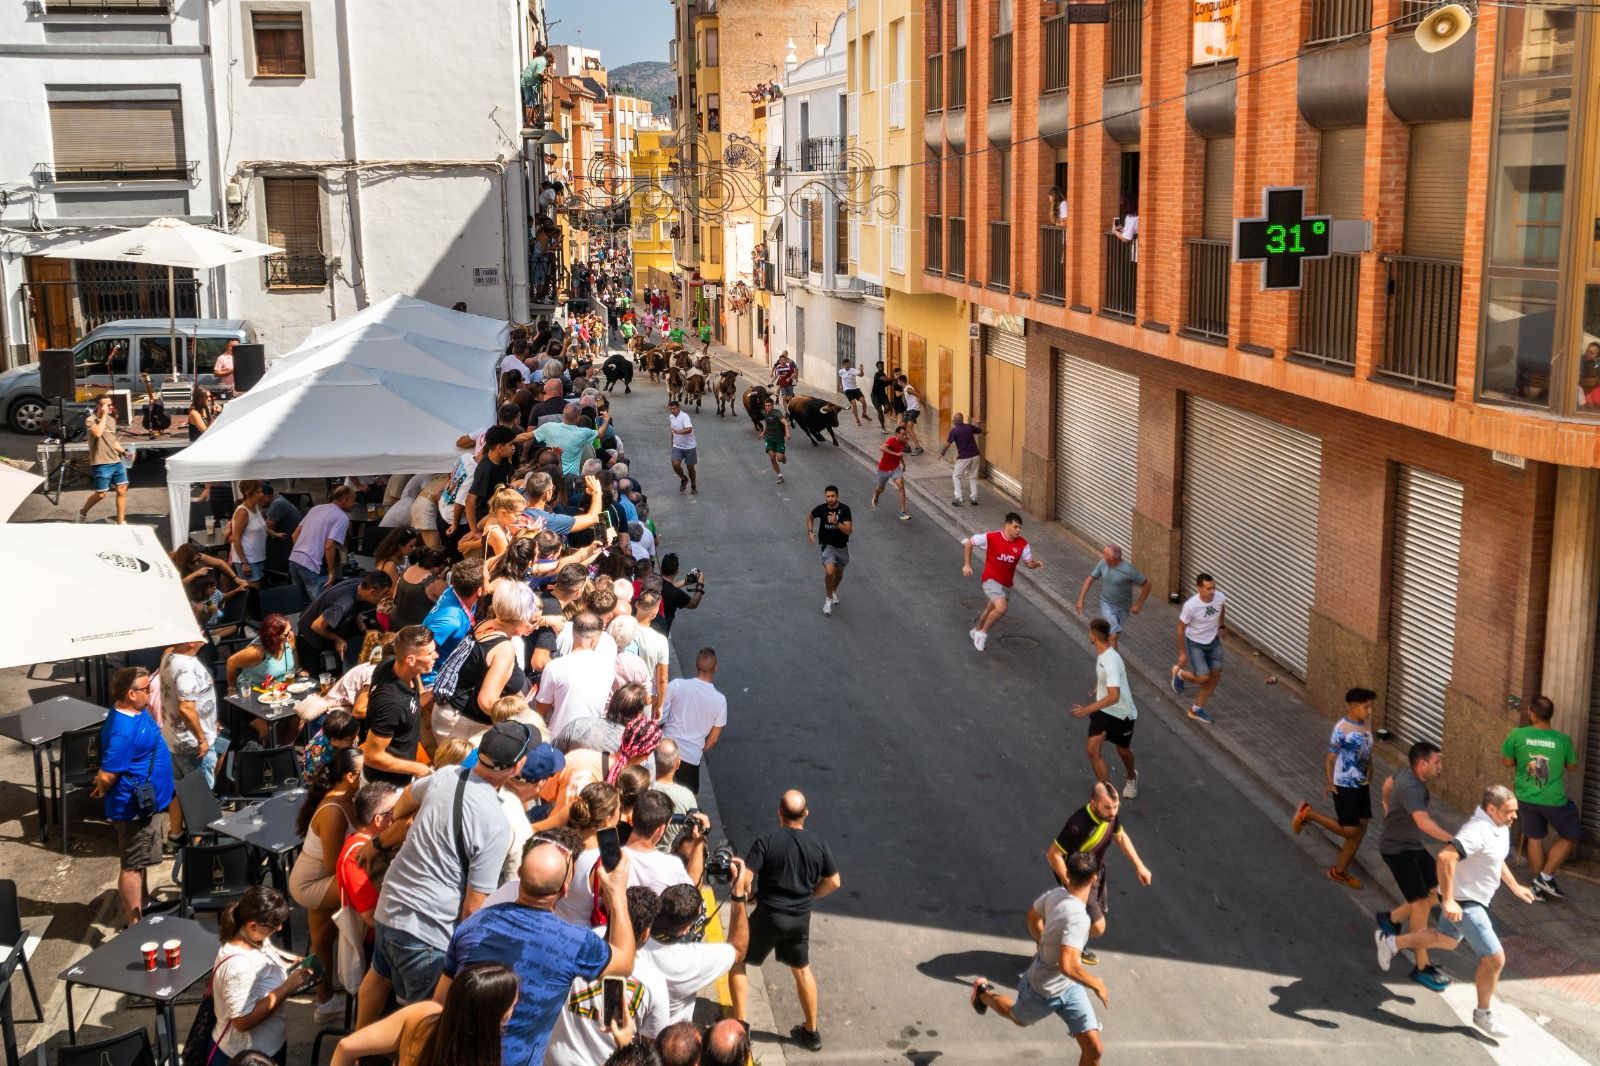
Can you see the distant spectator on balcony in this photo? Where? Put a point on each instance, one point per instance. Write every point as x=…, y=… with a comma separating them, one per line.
x=1589, y=376
x=1128, y=231
x=1058, y=205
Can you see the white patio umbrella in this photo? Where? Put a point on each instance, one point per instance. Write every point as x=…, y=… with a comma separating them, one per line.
x=172, y=243
x=15, y=484
x=97, y=589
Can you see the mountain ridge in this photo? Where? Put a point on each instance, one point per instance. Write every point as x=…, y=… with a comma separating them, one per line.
x=648, y=80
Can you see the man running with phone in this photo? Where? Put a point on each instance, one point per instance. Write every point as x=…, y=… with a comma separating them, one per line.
x=833, y=530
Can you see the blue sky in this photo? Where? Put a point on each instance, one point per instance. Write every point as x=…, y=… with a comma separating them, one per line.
x=625, y=31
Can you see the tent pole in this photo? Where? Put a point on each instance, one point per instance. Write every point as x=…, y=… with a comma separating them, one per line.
x=172, y=322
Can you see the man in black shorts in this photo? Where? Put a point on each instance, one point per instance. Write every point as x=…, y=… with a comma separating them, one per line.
x=834, y=527
x=1093, y=828
x=1112, y=714
x=793, y=869
x=880, y=396
x=1406, y=824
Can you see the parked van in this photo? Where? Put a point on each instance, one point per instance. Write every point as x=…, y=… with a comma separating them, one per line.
x=116, y=354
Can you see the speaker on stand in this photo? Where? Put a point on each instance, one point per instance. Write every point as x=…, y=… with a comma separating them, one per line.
x=249, y=366
x=58, y=386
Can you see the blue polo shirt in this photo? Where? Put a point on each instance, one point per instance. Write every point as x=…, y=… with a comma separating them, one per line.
x=131, y=746
x=449, y=622
x=560, y=524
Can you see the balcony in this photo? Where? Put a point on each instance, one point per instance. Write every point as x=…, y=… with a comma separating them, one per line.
x=1125, y=54
x=1332, y=20
x=1412, y=12
x=933, y=84
x=897, y=249
x=999, y=254
x=1053, y=263
x=1121, y=283
x=956, y=262
x=1055, y=54
x=820, y=153
x=869, y=288
x=296, y=271
x=1207, y=304
x=1000, y=68
x=1329, y=298
x=119, y=171
x=797, y=262
x=768, y=278
x=897, y=105
x=933, y=245
x=110, y=7
x=1422, y=320
x=958, y=78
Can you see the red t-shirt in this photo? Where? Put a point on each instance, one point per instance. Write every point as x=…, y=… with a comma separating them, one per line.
x=354, y=884
x=890, y=460
x=1001, y=556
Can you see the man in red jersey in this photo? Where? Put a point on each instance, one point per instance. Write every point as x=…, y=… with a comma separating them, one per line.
x=1003, y=550
x=892, y=467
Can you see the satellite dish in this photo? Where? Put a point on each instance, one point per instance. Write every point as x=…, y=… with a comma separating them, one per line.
x=1443, y=27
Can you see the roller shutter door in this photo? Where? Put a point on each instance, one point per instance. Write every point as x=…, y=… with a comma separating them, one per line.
x=1005, y=371
x=1590, y=804
x=1422, y=603
x=1250, y=502
x=1217, y=218
x=1436, y=190
x=1097, y=449
x=1341, y=170
x=142, y=135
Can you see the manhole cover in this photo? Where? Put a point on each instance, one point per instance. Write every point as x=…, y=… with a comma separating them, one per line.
x=1020, y=642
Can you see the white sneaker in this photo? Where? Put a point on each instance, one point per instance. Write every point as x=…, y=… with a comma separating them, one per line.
x=827, y=606
x=333, y=1008
x=1485, y=1020
x=1131, y=789
x=835, y=599
x=980, y=638
x=1386, y=950
x=973, y=634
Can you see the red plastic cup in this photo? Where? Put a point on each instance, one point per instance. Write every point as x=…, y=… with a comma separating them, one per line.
x=149, y=949
x=173, y=949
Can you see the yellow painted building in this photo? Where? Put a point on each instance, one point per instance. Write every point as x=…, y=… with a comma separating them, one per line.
x=653, y=154
x=925, y=333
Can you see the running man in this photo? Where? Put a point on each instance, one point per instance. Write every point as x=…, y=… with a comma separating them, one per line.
x=1003, y=550
x=1091, y=830
x=1201, y=626
x=1348, y=767
x=785, y=372
x=1112, y=713
x=1055, y=980
x=913, y=411
x=892, y=467
x=834, y=527
x=1118, y=578
x=880, y=396
x=850, y=385
x=685, y=449
x=1406, y=822
x=775, y=432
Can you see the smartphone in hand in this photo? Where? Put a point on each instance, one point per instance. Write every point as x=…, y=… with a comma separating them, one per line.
x=610, y=848
x=615, y=991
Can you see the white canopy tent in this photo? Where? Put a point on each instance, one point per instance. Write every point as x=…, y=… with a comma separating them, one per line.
x=407, y=314
x=15, y=485
x=381, y=347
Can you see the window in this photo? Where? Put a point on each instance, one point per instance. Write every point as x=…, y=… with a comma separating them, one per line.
x=1003, y=15
x=294, y=223
x=113, y=140
x=715, y=244
x=280, y=44
x=814, y=235
x=1530, y=176
x=868, y=41
x=713, y=112
x=844, y=342
x=711, y=48
x=961, y=23
x=105, y=357
x=206, y=350
x=897, y=50
x=113, y=7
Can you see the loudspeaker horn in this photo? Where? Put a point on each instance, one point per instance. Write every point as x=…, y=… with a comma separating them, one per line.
x=1443, y=27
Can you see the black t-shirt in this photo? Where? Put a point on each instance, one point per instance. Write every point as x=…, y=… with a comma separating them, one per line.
x=1085, y=832
x=393, y=711
x=545, y=408
x=339, y=606
x=544, y=638
x=672, y=598
x=475, y=669
x=486, y=479
x=829, y=535
x=880, y=387
x=787, y=864
x=772, y=424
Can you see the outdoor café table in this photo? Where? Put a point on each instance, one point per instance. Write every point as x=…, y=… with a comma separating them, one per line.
x=242, y=708
x=274, y=834
x=39, y=727
x=118, y=966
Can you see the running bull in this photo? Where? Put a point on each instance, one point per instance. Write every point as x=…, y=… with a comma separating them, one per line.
x=814, y=415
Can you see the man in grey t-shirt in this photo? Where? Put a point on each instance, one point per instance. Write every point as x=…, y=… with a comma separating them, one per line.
x=1406, y=825
x=439, y=821
x=1118, y=578
x=1055, y=980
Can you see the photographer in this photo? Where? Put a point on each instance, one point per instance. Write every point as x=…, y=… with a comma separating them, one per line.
x=793, y=869
x=675, y=595
x=676, y=947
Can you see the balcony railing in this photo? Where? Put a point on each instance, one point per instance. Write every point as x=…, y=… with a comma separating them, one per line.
x=999, y=254
x=1000, y=67
x=1207, y=306
x=797, y=262
x=767, y=277
x=1052, y=263
x=111, y=7
x=296, y=271
x=1118, y=297
x=1422, y=321
x=897, y=105
x=1333, y=19
x=870, y=288
x=1125, y=48
x=1412, y=12
x=119, y=171
x=897, y=249
x=956, y=261
x=933, y=245
x=933, y=84
x=1055, y=53
x=820, y=153
x=958, y=78
x=1329, y=298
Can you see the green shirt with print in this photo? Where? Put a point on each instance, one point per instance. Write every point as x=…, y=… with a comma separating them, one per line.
x=1542, y=757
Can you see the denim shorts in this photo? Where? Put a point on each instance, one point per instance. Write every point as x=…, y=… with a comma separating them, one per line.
x=1116, y=617
x=1474, y=927
x=109, y=474
x=410, y=965
x=186, y=763
x=1205, y=658
x=1071, y=1006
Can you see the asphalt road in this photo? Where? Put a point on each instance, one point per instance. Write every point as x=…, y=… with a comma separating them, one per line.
x=939, y=774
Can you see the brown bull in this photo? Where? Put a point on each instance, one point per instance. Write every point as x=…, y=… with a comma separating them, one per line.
x=727, y=391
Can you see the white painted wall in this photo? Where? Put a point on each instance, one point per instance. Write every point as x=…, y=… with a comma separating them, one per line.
x=819, y=364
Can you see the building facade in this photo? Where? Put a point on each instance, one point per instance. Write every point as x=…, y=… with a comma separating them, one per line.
x=1350, y=457
x=650, y=163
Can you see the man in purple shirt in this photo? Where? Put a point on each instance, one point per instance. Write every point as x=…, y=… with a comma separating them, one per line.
x=317, y=540
x=964, y=435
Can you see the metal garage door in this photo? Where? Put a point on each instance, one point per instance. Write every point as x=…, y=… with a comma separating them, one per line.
x=1097, y=449
x=1250, y=499
x=1422, y=603
x=1590, y=804
x=1004, y=397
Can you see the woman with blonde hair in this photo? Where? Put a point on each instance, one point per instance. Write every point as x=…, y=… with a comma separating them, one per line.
x=484, y=666
x=505, y=521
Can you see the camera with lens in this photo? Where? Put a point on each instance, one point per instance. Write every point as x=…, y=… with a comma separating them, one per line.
x=685, y=817
x=696, y=580
x=719, y=864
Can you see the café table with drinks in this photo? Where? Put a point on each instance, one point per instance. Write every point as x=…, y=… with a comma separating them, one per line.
x=156, y=960
x=271, y=702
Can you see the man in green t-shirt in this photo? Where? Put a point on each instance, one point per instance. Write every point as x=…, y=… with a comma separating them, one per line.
x=1542, y=755
x=675, y=335
x=775, y=433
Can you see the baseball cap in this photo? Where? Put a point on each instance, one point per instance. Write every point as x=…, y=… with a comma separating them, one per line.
x=543, y=761
x=504, y=744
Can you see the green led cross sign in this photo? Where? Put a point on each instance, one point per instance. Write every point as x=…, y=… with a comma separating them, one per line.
x=1283, y=238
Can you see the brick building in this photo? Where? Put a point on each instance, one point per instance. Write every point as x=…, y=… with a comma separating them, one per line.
x=1391, y=469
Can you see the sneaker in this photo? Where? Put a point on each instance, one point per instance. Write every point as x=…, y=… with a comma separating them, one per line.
x=1386, y=923
x=1546, y=886
x=1430, y=979
x=827, y=606
x=980, y=638
x=1131, y=789
x=973, y=501
x=1485, y=1020
x=81, y=517
x=835, y=599
x=809, y=1039
x=1198, y=713
x=1177, y=680
x=973, y=635
x=1298, y=822
x=979, y=987
x=683, y=483
x=905, y=516
x=780, y=479
x=1089, y=957
x=1336, y=874
x=1386, y=949
x=956, y=502
x=333, y=1008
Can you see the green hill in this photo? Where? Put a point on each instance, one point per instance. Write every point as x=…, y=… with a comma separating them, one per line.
x=649, y=80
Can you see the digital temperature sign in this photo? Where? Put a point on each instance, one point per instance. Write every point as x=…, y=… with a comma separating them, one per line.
x=1282, y=238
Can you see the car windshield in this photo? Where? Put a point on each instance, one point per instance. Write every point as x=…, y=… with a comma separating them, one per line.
x=107, y=356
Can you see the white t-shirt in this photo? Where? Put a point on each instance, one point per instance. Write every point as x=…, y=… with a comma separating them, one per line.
x=656, y=870
x=398, y=516
x=194, y=683
x=682, y=441
x=1066, y=924
x=849, y=378
x=241, y=978
x=652, y=647
x=1483, y=847
x=692, y=709
x=1201, y=619
x=577, y=686
x=687, y=969
x=643, y=547
x=579, y=1037
x=1111, y=672
x=511, y=364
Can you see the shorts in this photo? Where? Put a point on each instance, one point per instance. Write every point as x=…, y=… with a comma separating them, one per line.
x=853, y=395
x=913, y=415
x=881, y=403
x=139, y=841
x=787, y=935
x=1474, y=927
x=1538, y=819
x=776, y=447
x=686, y=455
x=424, y=513
x=996, y=591
x=1071, y=1006
x=832, y=556
x=109, y=474
x=886, y=476
x=185, y=763
x=410, y=965
x=1352, y=805
x=1117, y=730
x=1415, y=873
x=1204, y=658
x=1116, y=617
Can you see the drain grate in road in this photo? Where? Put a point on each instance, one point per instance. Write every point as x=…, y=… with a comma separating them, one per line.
x=1019, y=642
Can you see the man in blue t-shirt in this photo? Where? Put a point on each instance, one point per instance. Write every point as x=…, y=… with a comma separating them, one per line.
x=450, y=618
x=545, y=952
x=540, y=488
x=133, y=754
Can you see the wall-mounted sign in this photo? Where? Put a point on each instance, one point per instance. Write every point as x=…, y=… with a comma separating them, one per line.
x=1509, y=460
x=1088, y=14
x=488, y=277
x=1216, y=31
x=1283, y=238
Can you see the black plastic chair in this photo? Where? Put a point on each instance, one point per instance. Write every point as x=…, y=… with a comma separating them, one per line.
x=128, y=1049
x=13, y=940
x=200, y=806
x=80, y=762
x=282, y=599
x=324, y=1034
x=277, y=564
x=261, y=772
x=213, y=876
